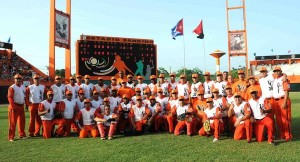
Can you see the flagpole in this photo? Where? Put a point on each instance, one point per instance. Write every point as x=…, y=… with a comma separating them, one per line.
x=204, y=55
x=183, y=54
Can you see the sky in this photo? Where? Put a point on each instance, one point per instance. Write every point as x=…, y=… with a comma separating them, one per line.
x=271, y=24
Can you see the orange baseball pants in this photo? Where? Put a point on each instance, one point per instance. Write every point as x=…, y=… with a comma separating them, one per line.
x=181, y=124
x=216, y=128
x=84, y=132
x=48, y=125
x=283, y=118
x=243, y=131
x=103, y=130
x=35, y=121
x=139, y=124
x=259, y=127
x=160, y=120
x=123, y=123
x=70, y=123
x=16, y=115
x=171, y=122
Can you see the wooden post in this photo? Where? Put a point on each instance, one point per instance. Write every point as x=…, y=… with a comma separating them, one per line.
x=52, y=40
x=68, y=50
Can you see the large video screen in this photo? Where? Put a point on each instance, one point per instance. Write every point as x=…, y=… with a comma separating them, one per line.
x=106, y=59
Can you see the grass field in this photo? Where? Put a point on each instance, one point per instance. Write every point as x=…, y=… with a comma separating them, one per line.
x=153, y=147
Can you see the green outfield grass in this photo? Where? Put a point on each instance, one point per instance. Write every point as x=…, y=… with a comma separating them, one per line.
x=153, y=147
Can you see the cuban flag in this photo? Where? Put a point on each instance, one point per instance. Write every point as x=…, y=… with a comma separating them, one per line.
x=177, y=30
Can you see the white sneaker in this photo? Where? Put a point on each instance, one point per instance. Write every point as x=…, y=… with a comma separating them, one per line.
x=215, y=140
x=110, y=138
x=11, y=140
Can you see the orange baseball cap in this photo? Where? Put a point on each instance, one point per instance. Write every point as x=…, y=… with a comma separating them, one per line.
x=236, y=94
x=207, y=73
x=95, y=92
x=17, y=76
x=219, y=73
x=87, y=77
x=140, y=77
x=86, y=101
x=129, y=76
x=181, y=98
x=50, y=93
x=209, y=100
x=81, y=91
x=241, y=72
x=251, y=77
x=182, y=76
x=125, y=96
x=36, y=76
x=160, y=90
x=200, y=92
x=152, y=77
x=173, y=91
x=152, y=98
x=57, y=77
x=277, y=68
x=263, y=69
x=105, y=99
x=215, y=90
x=72, y=78
x=137, y=89
x=228, y=87
x=253, y=90
x=113, y=78
x=173, y=74
x=78, y=76
x=100, y=78
x=138, y=97
x=68, y=92
x=161, y=75
x=194, y=75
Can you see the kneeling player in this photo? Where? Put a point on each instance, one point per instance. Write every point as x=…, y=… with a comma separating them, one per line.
x=107, y=123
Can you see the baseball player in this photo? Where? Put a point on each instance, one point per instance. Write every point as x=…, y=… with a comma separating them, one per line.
x=78, y=80
x=260, y=108
x=58, y=89
x=165, y=86
x=98, y=87
x=80, y=100
x=183, y=88
x=71, y=110
x=173, y=101
x=173, y=81
x=87, y=116
x=73, y=88
x=153, y=85
x=221, y=102
x=199, y=106
x=106, y=123
x=113, y=84
x=130, y=82
x=87, y=87
x=142, y=86
x=125, y=90
x=282, y=104
x=156, y=119
x=96, y=101
x=161, y=118
x=47, y=111
x=16, y=99
x=213, y=114
x=137, y=93
x=106, y=102
x=124, y=109
x=114, y=99
x=195, y=87
x=240, y=85
x=35, y=94
x=242, y=112
x=252, y=85
x=220, y=84
x=208, y=85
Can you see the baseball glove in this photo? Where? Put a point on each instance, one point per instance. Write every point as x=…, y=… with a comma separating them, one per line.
x=206, y=126
x=110, y=120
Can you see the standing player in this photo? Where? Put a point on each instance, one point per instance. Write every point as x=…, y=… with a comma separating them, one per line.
x=173, y=81
x=59, y=90
x=73, y=88
x=101, y=85
x=16, y=98
x=153, y=85
x=220, y=84
x=266, y=84
x=70, y=112
x=114, y=99
x=199, y=106
x=195, y=87
x=80, y=100
x=165, y=86
x=161, y=118
x=78, y=80
x=124, y=109
x=35, y=94
x=183, y=88
x=252, y=85
x=87, y=87
x=208, y=85
x=113, y=84
x=240, y=85
x=130, y=82
x=173, y=101
x=96, y=100
x=282, y=104
x=142, y=86
x=125, y=90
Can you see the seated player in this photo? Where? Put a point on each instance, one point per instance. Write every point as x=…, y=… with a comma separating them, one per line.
x=107, y=123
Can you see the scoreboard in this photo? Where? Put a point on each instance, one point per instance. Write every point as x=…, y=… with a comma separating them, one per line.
x=106, y=56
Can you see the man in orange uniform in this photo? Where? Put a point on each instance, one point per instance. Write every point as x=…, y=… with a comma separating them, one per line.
x=107, y=123
x=47, y=110
x=87, y=116
x=125, y=90
x=260, y=108
x=252, y=85
x=35, y=94
x=240, y=85
x=182, y=111
x=213, y=114
x=139, y=115
x=282, y=104
x=242, y=112
x=199, y=106
x=16, y=99
x=172, y=103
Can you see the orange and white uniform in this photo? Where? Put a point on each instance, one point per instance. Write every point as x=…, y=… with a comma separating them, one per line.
x=74, y=89
x=195, y=87
x=173, y=85
x=178, y=111
x=283, y=115
x=142, y=87
x=96, y=103
x=137, y=113
x=208, y=85
x=69, y=114
x=98, y=88
x=266, y=85
x=183, y=90
x=59, y=92
x=153, y=88
x=248, y=94
x=171, y=120
x=241, y=87
x=48, y=119
x=87, y=116
x=16, y=98
x=88, y=90
x=166, y=87
x=34, y=96
x=262, y=120
x=114, y=101
x=123, y=110
x=221, y=87
x=107, y=128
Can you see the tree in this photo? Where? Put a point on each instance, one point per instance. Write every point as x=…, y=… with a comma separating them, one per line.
x=60, y=72
x=162, y=70
x=189, y=72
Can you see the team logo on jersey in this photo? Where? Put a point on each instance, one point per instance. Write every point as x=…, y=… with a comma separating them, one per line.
x=240, y=87
x=278, y=85
x=41, y=95
x=270, y=85
x=200, y=107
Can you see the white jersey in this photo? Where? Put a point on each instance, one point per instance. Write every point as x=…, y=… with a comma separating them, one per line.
x=211, y=113
x=97, y=104
x=74, y=89
x=181, y=109
x=163, y=102
x=19, y=93
x=142, y=87
x=173, y=85
x=106, y=117
x=221, y=87
x=88, y=90
x=278, y=91
x=114, y=101
x=266, y=85
x=48, y=106
x=256, y=106
x=88, y=116
x=36, y=93
x=183, y=90
x=230, y=100
x=98, y=87
x=173, y=103
x=130, y=85
x=195, y=88
x=219, y=103
x=79, y=103
x=133, y=99
x=239, y=110
x=208, y=88
x=69, y=108
x=59, y=92
x=138, y=112
x=165, y=87
x=112, y=109
x=126, y=108
x=152, y=87
x=153, y=109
